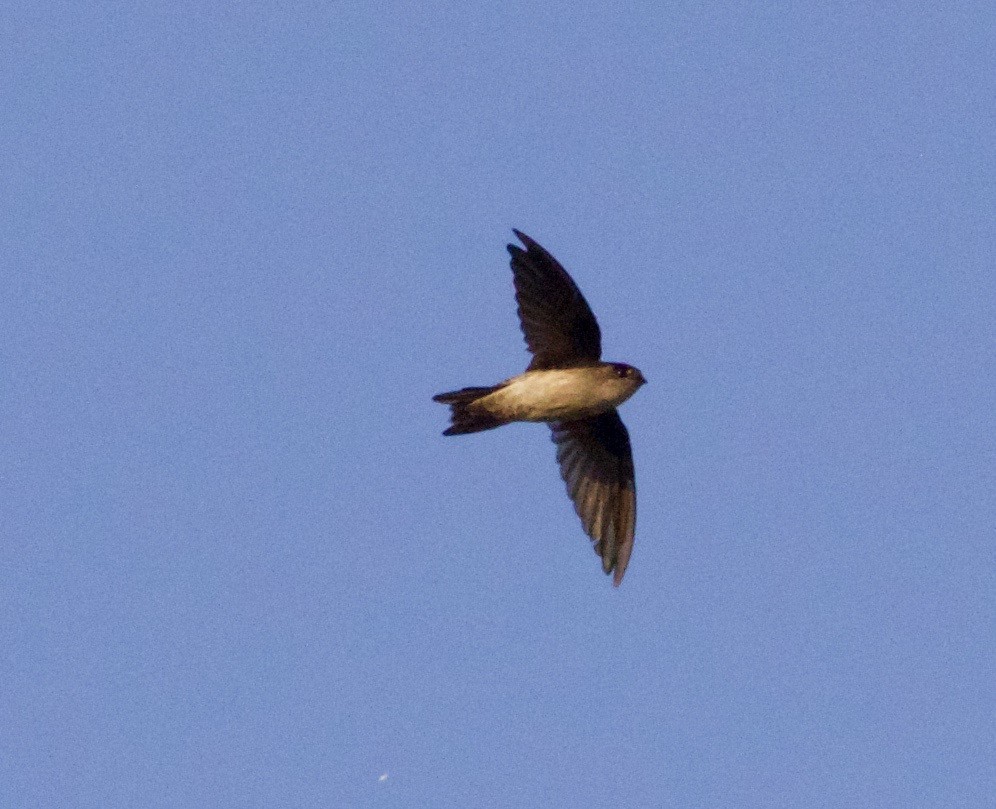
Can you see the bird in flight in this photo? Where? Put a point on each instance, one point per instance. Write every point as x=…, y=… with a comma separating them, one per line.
x=569, y=387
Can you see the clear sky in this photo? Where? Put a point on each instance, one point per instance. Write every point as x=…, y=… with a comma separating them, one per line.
x=242, y=248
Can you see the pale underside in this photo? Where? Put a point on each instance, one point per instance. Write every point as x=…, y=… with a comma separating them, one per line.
x=557, y=395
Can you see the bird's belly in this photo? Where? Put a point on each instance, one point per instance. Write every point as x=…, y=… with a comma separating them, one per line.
x=550, y=396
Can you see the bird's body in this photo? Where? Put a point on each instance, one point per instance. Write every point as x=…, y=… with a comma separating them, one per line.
x=571, y=389
x=558, y=394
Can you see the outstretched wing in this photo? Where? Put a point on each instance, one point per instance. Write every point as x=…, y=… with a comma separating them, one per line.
x=596, y=463
x=558, y=324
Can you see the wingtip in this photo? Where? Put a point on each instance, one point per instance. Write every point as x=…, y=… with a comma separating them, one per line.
x=515, y=249
x=622, y=562
x=522, y=237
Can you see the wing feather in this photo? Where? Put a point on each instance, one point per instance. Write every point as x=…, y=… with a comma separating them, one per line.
x=558, y=324
x=596, y=463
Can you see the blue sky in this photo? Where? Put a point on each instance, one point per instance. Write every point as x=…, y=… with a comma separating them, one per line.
x=242, y=249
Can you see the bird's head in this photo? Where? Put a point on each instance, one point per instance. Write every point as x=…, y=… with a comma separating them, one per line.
x=624, y=371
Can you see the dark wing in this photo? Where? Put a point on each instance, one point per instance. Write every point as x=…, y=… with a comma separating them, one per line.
x=596, y=463
x=560, y=329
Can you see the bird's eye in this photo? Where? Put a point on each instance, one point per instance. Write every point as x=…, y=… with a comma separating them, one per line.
x=622, y=371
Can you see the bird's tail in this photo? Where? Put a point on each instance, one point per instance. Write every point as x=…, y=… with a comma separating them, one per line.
x=465, y=418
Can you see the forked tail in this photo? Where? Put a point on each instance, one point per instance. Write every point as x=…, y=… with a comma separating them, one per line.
x=467, y=419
